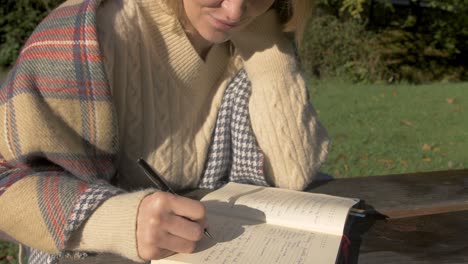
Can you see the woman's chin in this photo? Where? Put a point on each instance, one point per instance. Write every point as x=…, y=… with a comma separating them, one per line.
x=216, y=37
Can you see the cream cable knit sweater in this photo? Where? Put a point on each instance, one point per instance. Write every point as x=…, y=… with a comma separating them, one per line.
x=167, y=100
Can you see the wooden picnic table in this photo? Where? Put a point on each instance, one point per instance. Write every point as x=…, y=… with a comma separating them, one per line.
x=427, y=217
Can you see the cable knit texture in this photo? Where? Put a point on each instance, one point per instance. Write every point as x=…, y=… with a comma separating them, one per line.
x=167, y=100
x=285, y=124
x=166, y=96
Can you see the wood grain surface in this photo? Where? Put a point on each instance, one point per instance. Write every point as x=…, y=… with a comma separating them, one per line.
x=440, y=238
x=405, y=195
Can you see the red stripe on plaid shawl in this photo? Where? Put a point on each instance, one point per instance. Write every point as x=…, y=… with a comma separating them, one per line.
x=57, y=34
x=26, y=80
x=52, y=209
x=83, y=186
x=51, y=80
x=55, y=200
x=65, y=55
x=12, y=178
x=69, y=90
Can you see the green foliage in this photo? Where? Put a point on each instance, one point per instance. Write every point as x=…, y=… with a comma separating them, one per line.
x=336, y=49
x=429, y=45
x=9, y=253
x=18, y=18
x=353, y=7
x=412, y=56
x=417, y=44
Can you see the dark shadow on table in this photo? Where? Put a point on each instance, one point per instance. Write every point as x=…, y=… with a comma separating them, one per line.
x=320, y=179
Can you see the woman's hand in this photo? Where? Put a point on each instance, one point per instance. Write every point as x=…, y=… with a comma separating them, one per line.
x=261, y=34
x=167, y=224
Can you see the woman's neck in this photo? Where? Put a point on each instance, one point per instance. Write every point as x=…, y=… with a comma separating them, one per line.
x=201, y=45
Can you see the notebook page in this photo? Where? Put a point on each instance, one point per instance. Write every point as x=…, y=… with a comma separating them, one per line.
x=301, y=210
x=245, y=241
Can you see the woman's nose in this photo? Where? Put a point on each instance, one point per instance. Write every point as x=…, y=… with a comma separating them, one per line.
x=235, y=9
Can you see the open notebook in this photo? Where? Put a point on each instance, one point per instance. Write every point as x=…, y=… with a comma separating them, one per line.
x=252, y=224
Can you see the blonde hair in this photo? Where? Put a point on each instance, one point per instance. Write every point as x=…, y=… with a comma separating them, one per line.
x=293, y=14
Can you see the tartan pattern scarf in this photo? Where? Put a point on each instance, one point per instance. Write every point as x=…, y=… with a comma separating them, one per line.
x=59, y=132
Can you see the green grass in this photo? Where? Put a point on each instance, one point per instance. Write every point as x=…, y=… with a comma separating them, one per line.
x=387, y=129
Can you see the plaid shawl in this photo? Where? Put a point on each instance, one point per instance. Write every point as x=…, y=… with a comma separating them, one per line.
x=59, y=141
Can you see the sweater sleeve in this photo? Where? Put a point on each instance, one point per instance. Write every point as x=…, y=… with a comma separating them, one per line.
x=112, y=227
x=42, y=209
x=285, y=124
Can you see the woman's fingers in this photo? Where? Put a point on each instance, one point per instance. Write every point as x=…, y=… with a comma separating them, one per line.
x=184, y=228
x=178, y=244
x=188, y=208
x=167, y=223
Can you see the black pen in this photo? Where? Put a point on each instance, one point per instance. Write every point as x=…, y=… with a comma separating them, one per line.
x=160, y=183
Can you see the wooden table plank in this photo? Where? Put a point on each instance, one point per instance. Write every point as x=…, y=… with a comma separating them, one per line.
x=405, y=195
x=440, y=238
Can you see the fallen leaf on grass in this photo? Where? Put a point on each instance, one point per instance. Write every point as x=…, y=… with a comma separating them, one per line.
x=427, y=159
x=406, y=123
x=436, y=150
x=426, y=147
x=404, y=163
x=450, y=100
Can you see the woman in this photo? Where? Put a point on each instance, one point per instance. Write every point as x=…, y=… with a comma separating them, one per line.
x=207, y=91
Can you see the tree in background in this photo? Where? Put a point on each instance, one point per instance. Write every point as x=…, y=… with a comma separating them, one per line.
x=412, y=40
x=360, y=40
x=18, y=18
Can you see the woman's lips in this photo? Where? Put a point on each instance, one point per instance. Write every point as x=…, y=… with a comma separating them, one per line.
x=223, y=25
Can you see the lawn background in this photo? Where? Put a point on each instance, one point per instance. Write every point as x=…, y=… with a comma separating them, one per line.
x=387, y=129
